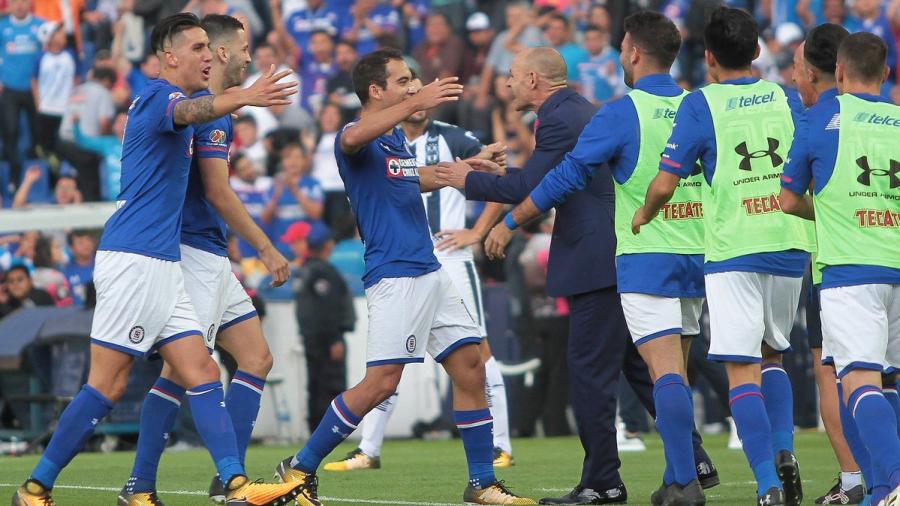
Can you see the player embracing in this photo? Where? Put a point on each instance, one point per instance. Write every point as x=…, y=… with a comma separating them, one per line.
x=142, y=306
x=223, y=307
x=849, y=152
x=740, y=129
x=414, y=307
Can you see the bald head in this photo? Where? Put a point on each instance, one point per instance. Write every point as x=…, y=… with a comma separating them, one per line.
x=545, y=62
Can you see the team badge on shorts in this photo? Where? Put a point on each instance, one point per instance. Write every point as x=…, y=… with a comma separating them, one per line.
x=411, y=343
x=136, y=334
x=209, y=333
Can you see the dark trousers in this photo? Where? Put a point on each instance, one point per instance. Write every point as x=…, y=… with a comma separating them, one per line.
x=88, y=166
x=12, y=103
x=325, y=378
x=47, y=127
x=599, y=348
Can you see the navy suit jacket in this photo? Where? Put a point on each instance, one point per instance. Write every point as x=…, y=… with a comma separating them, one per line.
x=582, y=253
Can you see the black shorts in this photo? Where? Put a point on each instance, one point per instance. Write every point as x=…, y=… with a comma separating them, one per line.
x=813, y=319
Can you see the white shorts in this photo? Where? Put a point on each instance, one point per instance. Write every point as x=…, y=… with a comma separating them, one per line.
x=409, y=316
x=651, y=316
x=747, y=309
x=861, y=326
x=465, y=277
x=218, y=297
x=141, y=303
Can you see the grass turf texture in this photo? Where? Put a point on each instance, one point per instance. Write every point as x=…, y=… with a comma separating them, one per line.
x=423, y=473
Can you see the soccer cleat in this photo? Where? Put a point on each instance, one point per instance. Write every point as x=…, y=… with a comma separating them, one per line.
x=240, y=491
x=789, y=473
x=687, y=495
x=582, y=495
x=494, y=494
x=309, y=491
x=773, y=497
x=32, y=493
x=138, y=498
x=837, y=495
x=217, y=490
x=629, y=441
x=707, y=474
x=354, y=460
x=503, y=459
x=658, y=497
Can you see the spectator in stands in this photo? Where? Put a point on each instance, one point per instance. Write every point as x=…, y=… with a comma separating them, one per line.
x=600, y=77
x=509, y=126
x=80, y=269
x=65, y=192
x=440, y=54
x=558, y=34
x=868, y=16
x=109, y=148
x=370, y=19
x=92, y=103
x=139, y=76
x=413, y=14
x=51, y=84
x=317, y=15
x=340, y=86
x=325, y=169
x=46, y=276
x=18, y=249
x=324, y=309
x=19, y=52
x=128, y=34
x=264, y=56
x=248, y=142
x=296, y=196
x=349, y=252
x=21, y=292
x=65, y=12
x=254, y=190
x=835, y=11
x=243, y=10
x=521, y=33
x=481, y=34
x=316, y=70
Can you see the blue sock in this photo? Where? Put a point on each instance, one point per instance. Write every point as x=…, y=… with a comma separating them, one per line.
x=242, y=402
x=75, y=427
x=675, y=421
x=877, y=426
x=336, y=426
x=890, y=393
x=476, y=429
x=214, y=425
x=158, y=414
x=749, y=412
x=857, y=447
x=779, y=400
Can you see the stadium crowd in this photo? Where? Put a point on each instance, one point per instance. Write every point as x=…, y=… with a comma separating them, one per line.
x=71, y=68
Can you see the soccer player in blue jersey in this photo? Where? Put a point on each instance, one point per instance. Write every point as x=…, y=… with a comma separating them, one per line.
x=223, y=307
x=142, y=306
x=414, y=307
x=659, y=274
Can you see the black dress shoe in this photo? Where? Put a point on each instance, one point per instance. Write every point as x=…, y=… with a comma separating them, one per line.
x=582, y=495
x=707, y=474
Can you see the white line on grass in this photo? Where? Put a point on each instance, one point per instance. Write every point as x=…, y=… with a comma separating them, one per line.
x=201, y=493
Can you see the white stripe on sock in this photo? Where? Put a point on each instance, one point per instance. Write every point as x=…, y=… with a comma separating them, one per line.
x=337, y=411
x=164, y=395
x=249, y=385
x=863, y=396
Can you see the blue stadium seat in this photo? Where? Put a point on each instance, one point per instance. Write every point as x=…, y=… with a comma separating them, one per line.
x=40, y=193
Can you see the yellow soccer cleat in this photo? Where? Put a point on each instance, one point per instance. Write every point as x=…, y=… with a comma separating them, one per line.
x=138, y=498
x=242, y=492
x=32, y=493
x=309, y=483
x=354, y=460
x=503, y=459
x=494, y=494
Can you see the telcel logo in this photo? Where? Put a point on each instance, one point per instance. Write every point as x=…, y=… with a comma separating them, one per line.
x=739, y=102
x=876, y=119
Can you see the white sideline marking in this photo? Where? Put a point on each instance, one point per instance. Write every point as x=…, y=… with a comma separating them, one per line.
x=202, y=493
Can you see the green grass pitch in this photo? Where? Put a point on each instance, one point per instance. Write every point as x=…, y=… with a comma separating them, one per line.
x=418, y=473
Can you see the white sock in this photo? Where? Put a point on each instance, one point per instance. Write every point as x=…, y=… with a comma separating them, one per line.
x=495, y=390
x=373, y=426
x=850, y=480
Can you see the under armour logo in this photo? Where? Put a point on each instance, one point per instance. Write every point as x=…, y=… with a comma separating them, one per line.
x=865, y=177
x=94, y=421
x=745, y=164
x=336, y=430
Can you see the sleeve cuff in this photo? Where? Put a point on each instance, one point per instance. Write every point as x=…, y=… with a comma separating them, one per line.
x=510, y=222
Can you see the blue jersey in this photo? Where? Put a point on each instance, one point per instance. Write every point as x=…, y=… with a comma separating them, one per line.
x=156, y=159
x=254, y=196
x=19, y=51
x=78, y=276
x=301, y=23
x=812, y=158
x=382, y=182
x=693, y=138
x=385, y=17
x=289, y=211
x=201, y=225
x=613, y=137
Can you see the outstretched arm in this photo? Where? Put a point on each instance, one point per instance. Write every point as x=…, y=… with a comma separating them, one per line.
x=264, y=92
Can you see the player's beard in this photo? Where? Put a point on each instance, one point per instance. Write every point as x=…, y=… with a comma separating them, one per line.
x=233, y=75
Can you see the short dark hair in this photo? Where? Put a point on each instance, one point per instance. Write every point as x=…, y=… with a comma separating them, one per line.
x=372, y=68
x=594, y=28
x=656, y=35
x=863, y=55
x=321, y=31
x=821, y=47
x=18, y=267
x=558, y=16
x=246, y=118
x=220, y=26
x=104, y=73
x=732, y=36
x=345, y=42
x=169, y=27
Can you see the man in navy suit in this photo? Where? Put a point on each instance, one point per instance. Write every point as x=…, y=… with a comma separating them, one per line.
x=581, y=268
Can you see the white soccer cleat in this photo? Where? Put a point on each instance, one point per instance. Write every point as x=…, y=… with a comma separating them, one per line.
x=628, y=443
x=734, y=442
